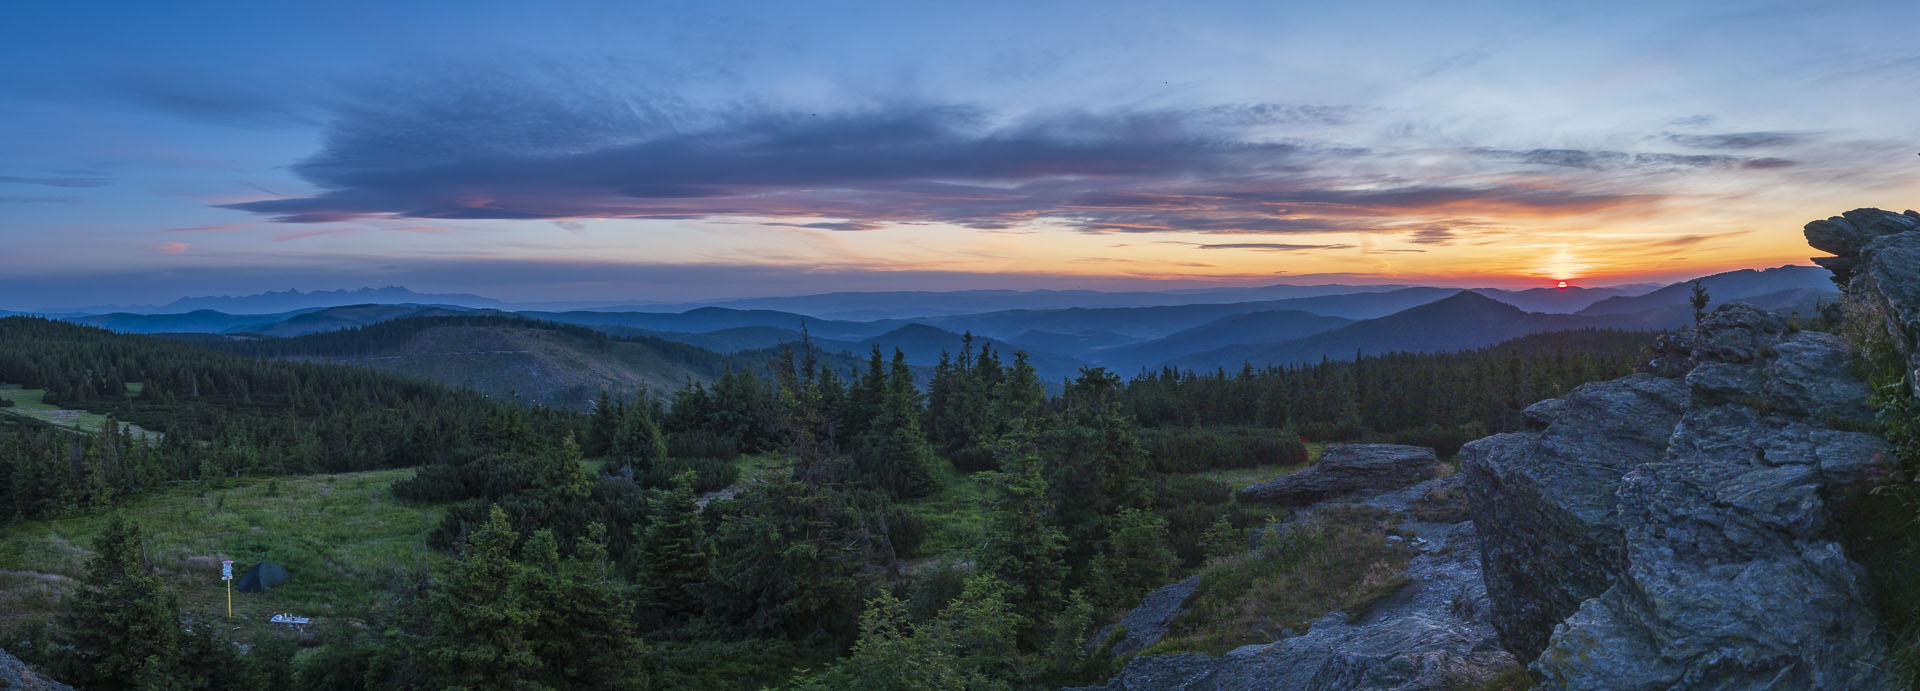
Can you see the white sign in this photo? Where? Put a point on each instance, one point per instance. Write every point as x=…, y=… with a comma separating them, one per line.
x=226, y=570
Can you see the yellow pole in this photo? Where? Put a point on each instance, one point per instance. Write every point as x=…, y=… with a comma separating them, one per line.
x=229, y=598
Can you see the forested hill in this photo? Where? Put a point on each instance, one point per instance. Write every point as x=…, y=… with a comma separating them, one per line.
x=223, y=414
x=994, y=510
x=504, y=357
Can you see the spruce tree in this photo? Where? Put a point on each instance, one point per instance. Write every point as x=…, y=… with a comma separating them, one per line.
x=1022, y=546
x=122, y=626
x=674, y=550
x=477, y=621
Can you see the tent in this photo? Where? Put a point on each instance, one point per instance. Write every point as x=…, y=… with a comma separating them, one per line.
x=262, y=576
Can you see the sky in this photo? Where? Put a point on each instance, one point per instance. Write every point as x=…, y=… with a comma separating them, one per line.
x=693, y=150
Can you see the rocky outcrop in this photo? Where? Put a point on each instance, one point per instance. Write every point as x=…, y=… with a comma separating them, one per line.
x=1147, y=624
x=1671, y=531
x=1849, y=234
x=1431, y=634
x=1878, y=265
x=17, y=676
x=1544, y=500
x=1347, y=469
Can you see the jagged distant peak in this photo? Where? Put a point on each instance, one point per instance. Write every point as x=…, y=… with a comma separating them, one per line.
x=273, y=301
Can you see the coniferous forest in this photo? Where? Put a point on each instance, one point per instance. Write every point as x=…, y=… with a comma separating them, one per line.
x=787, y=525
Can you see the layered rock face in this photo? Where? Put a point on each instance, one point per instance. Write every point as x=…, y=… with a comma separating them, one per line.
x=1348, y=469
x=1878, y=263
x=1672, y=532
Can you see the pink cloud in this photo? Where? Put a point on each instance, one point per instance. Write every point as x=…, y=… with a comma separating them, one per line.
x=172, y=248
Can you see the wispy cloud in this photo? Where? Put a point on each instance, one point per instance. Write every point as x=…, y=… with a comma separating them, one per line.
x=55, y=180
x=1740, y=140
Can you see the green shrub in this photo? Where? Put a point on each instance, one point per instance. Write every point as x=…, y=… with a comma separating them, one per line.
x=1299, y=573
x=699, y=443
x=1196, y=449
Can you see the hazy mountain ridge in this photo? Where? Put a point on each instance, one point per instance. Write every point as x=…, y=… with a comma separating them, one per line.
x=1060, y=341
x=1730, y=286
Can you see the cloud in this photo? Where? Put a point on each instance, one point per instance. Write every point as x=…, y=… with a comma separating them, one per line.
x=1739, y=140
x=1270, y=246
x=1435, y=235
x=55, y=180
x=1601, y=160
x=171, y=248
x=193, y=97
x=512, y=149
x=833, y=225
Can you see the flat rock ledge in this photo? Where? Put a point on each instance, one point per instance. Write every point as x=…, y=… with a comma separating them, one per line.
x=1348, y=469
x=1147, y=624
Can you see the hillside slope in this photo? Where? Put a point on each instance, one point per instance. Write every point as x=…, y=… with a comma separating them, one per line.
x=1731, y=286
x=1464, y=321
x=1254, y=328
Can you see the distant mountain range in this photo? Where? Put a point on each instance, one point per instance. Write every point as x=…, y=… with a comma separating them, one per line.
x=288, y=300
x=1201, y=335
x=1724, y=287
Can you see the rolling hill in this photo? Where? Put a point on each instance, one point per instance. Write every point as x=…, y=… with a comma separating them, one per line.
x=1243, y=329
x=1463, y=321
x=710, y=319
x=923, y=345
x=1147, y=323
x=1742, y=285
x=534, y=362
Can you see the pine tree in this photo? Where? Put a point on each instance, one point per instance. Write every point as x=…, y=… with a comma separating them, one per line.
x=1022, y=547
x=674, y=550
x=1136, y=559
x=477, y=621
x=638, y=443
x=122, y=626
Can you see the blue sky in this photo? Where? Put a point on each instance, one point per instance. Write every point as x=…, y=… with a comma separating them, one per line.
x=675, y=151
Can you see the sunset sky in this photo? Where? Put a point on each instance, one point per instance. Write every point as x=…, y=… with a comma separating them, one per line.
x=678, y=151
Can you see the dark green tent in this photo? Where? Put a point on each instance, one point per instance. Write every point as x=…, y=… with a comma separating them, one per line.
x=262, y=576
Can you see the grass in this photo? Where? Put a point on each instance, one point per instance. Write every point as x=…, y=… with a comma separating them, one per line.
x=1240, y=478
x=346, y=540
x=31, y=403
x=1298, y=575
x=956, y=516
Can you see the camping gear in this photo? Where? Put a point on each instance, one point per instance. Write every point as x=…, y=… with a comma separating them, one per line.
x=262, y=576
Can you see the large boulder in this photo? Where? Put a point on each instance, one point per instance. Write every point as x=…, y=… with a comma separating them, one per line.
x=1147, y=624
x=1543, y=501
x=1672, y=532
x=17, y=676
x=1347, y=469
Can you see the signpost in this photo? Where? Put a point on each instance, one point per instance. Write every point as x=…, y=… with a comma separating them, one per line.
x=226, y=574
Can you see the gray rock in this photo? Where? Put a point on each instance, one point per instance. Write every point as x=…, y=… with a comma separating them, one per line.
x=1657, y=534
x=1725, y=382
x=1543, y=413
x=1346, y=469
x=1432, y=634
x=1892, y=283
x=1737, y=332
x=17, y=676
x=1728, y=582
x=1849, y=234
x=1543, y=501
x=1147, y=624
x=1801, y=381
